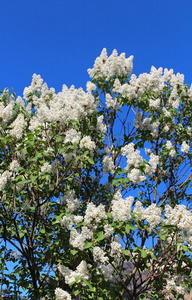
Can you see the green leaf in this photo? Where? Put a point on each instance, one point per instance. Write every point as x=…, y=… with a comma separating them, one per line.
x=73, y=251
x=129, y=226
x=126, y=252
x=143, y=253
x=88, y=245
x=21, y=234
x=91, y=161
x=101, y=236
x=77, y=292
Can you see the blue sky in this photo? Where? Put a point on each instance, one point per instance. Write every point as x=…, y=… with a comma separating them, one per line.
x=60, y=39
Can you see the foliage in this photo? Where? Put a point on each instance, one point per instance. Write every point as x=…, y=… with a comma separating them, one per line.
x=95, y=186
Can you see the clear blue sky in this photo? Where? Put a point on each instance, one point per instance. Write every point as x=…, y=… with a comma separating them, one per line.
x=60, y=39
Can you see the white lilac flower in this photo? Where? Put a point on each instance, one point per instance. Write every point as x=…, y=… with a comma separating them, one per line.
x=178, y=216
x=172, y=152
x=135, y=176
x=116, y=249
x=90, y=87
x=35, y=86
x=152, y=214
x=69, y=104
x=151, y=167
x=133, y=156
x=112, y=65
x=100, y=125
x=94, y=214
x=169, y=145
x=108, y=165
x=107, y=270
x=18, y=126
x=111, y=103
x=70, y=275
x=14, y=166
x=185, y=147
x=99, y=255
x=87, y=143
x=108, y=230
x=117, y=86
x=151, y=126
x=154, y=103
x=6, y=112
x=77, y=239
x=46, y=167
x=78, y=219
x=62, y=295
x=67, y=222
x=70, y=221
x=166, y=128
x=20, y=101
x=121, y=208
x=34, y=123
x=72, y=136
x=166, y=112
x=3, y=179
x=71, y=201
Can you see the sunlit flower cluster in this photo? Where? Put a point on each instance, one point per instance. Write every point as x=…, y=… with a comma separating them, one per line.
x=81, y=271
x=113, y=65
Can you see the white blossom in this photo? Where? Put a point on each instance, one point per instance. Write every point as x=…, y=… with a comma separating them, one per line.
x=154, y=103
x=172, y=152
x=166, y=112
x=152, y=214
x=166, y=128
x=72, y=136
x=116, y=248
x=151, y=166
x=111, y=103
x=135, y=176
x=121, y=208
x=46, y=167
x=72, y=202
x=133, y=156
x=6, y=112
x=14, y=166
x=18, y=126
x=90, y=87
x=77, y=239
x=87, y=143
x=175, y=285
x=169, y=145
x=3, y=179
x=178, y=216
x=99, y=255
x=81, y=271
x=62, y=295
x=108, y=165
x=107, y=270
x=100, y=125
x=111, y=66
x=185, y=147
x=94, y=214
x=108, y=230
